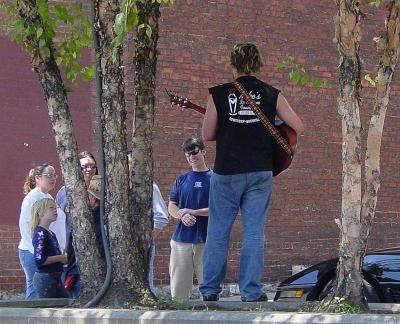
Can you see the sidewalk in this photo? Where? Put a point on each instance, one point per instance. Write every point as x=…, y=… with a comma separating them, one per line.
x=229, y=310
x=111, y=316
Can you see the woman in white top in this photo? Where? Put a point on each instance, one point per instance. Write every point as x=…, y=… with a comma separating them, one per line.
x=39, y=181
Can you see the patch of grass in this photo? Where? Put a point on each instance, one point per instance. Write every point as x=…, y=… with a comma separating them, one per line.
x=165, y=302
x=339, y=305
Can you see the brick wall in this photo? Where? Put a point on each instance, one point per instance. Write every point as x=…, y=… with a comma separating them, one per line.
x=195, y=38
x=11, y=274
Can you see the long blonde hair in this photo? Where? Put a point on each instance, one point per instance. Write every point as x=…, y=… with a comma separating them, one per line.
x=30, y=182
x=37, y=210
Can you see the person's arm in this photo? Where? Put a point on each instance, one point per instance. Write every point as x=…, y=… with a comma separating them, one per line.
x=210, y=122
x=194, y=212
x=62, y=258
x=25, y=221
x=186, y=219
x=61, y=198
x=39, y=241
x=173, y=209
x=160, y=212
x=288, y=115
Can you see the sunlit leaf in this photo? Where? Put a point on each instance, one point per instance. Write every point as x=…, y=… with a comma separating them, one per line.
x=316, y=83
x=39, y=32
x=119, y=25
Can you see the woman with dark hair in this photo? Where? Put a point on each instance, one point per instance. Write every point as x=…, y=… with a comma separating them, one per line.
x=38, y=183
x=71, y=273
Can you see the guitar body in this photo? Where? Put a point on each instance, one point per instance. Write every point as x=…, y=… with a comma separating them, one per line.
x=281, y=159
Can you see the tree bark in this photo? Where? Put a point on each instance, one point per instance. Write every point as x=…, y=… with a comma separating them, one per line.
x=348, y=35
x=129, y=285
x=58, y=110
x=388, y=50
x=142, y=138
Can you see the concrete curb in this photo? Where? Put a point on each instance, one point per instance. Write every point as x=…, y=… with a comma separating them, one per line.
x=37, y=303
x=112, y=316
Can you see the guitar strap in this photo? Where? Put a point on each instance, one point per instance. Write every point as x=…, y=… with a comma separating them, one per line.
x=264, y=120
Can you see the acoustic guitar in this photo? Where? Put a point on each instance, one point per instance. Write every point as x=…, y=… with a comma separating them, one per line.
x=281, y=159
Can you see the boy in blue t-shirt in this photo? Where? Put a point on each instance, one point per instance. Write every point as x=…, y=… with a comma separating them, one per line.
x=188, y=203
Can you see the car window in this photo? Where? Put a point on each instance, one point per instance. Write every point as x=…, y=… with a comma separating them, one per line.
x=309, y=278
x=385, y=267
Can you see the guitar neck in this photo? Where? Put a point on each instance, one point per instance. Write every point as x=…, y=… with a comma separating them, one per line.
x=199, y=109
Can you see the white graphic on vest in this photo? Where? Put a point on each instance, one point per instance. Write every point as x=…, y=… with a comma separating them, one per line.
x=197, y=184
x=240, y=107
x=232, y=99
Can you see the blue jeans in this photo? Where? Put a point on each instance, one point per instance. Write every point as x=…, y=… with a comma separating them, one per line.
x=150, y=275
x=251, y=193
x=49, y=285
x=28, y=264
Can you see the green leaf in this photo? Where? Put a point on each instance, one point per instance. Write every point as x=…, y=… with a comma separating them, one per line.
x=375, y=3
x=88, y=73
x=16, y=38
x=369, y=79
x=59, y=60
x=19, y=26
x=42, y=43
x=280, y=65
x=39, y=32
x=132, y=20
x=149, y=31
x=316, y=83
x=294, y=76
x=120, y=23
x=61, y=13
x=46, y=52
x=69, y=75
x=304, y=79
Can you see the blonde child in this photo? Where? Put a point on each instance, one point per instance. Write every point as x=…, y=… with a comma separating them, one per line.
x=47, y=253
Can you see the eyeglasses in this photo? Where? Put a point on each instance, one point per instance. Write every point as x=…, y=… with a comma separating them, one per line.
x=48, y=175
x=194, y=152
x=88, y=167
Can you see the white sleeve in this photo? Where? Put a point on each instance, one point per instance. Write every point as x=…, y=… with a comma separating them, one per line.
x=24, y=224
x=58, y=228
x=160, y=211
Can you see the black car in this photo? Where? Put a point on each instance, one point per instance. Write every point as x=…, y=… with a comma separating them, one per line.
x=381, y=271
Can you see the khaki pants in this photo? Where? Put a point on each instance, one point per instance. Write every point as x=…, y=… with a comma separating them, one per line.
x=186, y=259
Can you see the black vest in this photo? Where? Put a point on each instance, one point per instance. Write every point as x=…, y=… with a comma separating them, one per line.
x=243, y=143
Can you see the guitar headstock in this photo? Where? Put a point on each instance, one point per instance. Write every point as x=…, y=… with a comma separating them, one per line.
x=178, y=100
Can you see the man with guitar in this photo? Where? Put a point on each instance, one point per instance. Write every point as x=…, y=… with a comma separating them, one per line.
x=242, y=177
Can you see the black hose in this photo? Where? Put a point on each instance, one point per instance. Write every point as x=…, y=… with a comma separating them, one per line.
x=100, y=294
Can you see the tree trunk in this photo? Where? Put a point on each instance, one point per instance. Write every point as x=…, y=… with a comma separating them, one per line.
x=58, y=110
x=388, y=49
x=129, y=284
x=357, y=214
x=142, y=137
x=348, y=35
